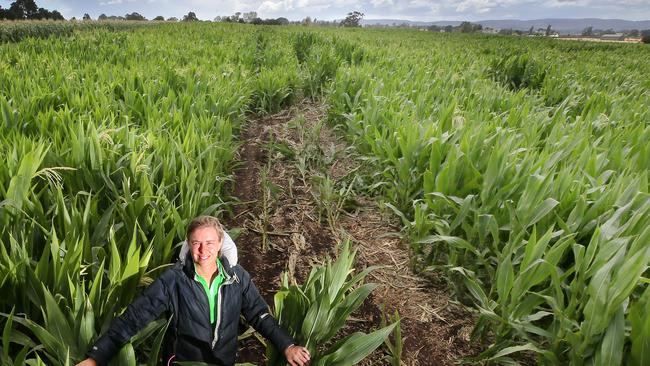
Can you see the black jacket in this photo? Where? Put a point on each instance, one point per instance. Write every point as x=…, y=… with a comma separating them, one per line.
x=190, y=336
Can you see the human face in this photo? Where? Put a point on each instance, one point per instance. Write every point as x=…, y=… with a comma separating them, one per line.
x=205, y=245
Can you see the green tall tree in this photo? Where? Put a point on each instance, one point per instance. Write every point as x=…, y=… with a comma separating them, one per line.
x=5, y=14
x=190, y=17
x=135, y=16
x=24, y=9
x=353, y=19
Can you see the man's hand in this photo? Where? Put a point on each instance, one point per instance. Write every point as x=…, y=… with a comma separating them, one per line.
x=296, y=355
x=87, y=362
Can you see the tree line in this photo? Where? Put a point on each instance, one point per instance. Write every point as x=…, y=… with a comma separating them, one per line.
x=27, y=9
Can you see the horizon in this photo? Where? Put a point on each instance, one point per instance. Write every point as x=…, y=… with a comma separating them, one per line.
x=405, y=10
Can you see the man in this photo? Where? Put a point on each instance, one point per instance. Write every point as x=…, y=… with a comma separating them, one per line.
x=204, y=296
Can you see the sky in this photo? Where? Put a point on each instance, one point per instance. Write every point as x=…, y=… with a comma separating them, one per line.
x=417, y=10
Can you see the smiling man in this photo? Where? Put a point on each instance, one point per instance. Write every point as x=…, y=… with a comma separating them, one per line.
x=204, y=296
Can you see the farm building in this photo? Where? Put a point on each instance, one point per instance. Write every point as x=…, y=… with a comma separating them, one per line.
x=613, y=37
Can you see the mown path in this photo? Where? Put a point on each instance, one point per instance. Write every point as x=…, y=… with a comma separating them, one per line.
x=287, y=162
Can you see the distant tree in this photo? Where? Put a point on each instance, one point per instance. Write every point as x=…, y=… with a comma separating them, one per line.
x=449, y=28
x=190, y=17
x=549, y=30
x=282, y=21
x=589, y=31
x=506, y=31
x=55, y=15
x=531, y=31
x=633, y=33
x=172, y=19
x=102, y=16
x=353, y=19
x=134, y=16
x=307, y=21
x=248, y=17
x=464, y=27
x=159, y=17
x=23, y=9
x=608, y=31
x=87, y=17
x=46, y=14
x=645, y=36
x=218, y=18
x=467, y=27
x=5, y=14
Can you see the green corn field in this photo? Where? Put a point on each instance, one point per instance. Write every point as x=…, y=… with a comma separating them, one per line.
x=518, y=168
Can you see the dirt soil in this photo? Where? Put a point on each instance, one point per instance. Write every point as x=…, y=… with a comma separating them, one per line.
x=284, y=228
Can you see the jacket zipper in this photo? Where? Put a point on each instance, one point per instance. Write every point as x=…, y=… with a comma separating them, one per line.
x=229, y=281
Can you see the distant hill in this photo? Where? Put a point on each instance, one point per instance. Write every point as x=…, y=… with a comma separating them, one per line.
x=409, y=22
x=569, y=26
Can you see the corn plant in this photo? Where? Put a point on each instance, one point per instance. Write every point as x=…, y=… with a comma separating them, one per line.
x=16, y=31
x=270, y=193
x=331, y=199
x=302, y=44
x=394, y=347
x=478, y=155
x=522, y=179
x=315, y=312
x=102, y=171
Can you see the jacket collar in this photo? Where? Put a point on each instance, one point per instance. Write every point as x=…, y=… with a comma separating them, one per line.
x=188, y=267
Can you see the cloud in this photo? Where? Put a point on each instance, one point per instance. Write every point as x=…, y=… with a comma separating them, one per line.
x=381, y=3
x=309, y=7
x=596, y=3
x=115, y=2
x=478, y=6
x=421, y=4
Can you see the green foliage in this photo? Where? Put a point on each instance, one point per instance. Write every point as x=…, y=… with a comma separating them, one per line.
x=302, y=44
x=353, y=19
x=321, y=66
x=395, y=346
x=107, y=155
x=527, y=190
x=275, y=88
x=518, y=71
x=315, y=312
x=19, y=30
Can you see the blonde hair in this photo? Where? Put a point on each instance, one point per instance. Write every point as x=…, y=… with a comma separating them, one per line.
x=204, y=221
